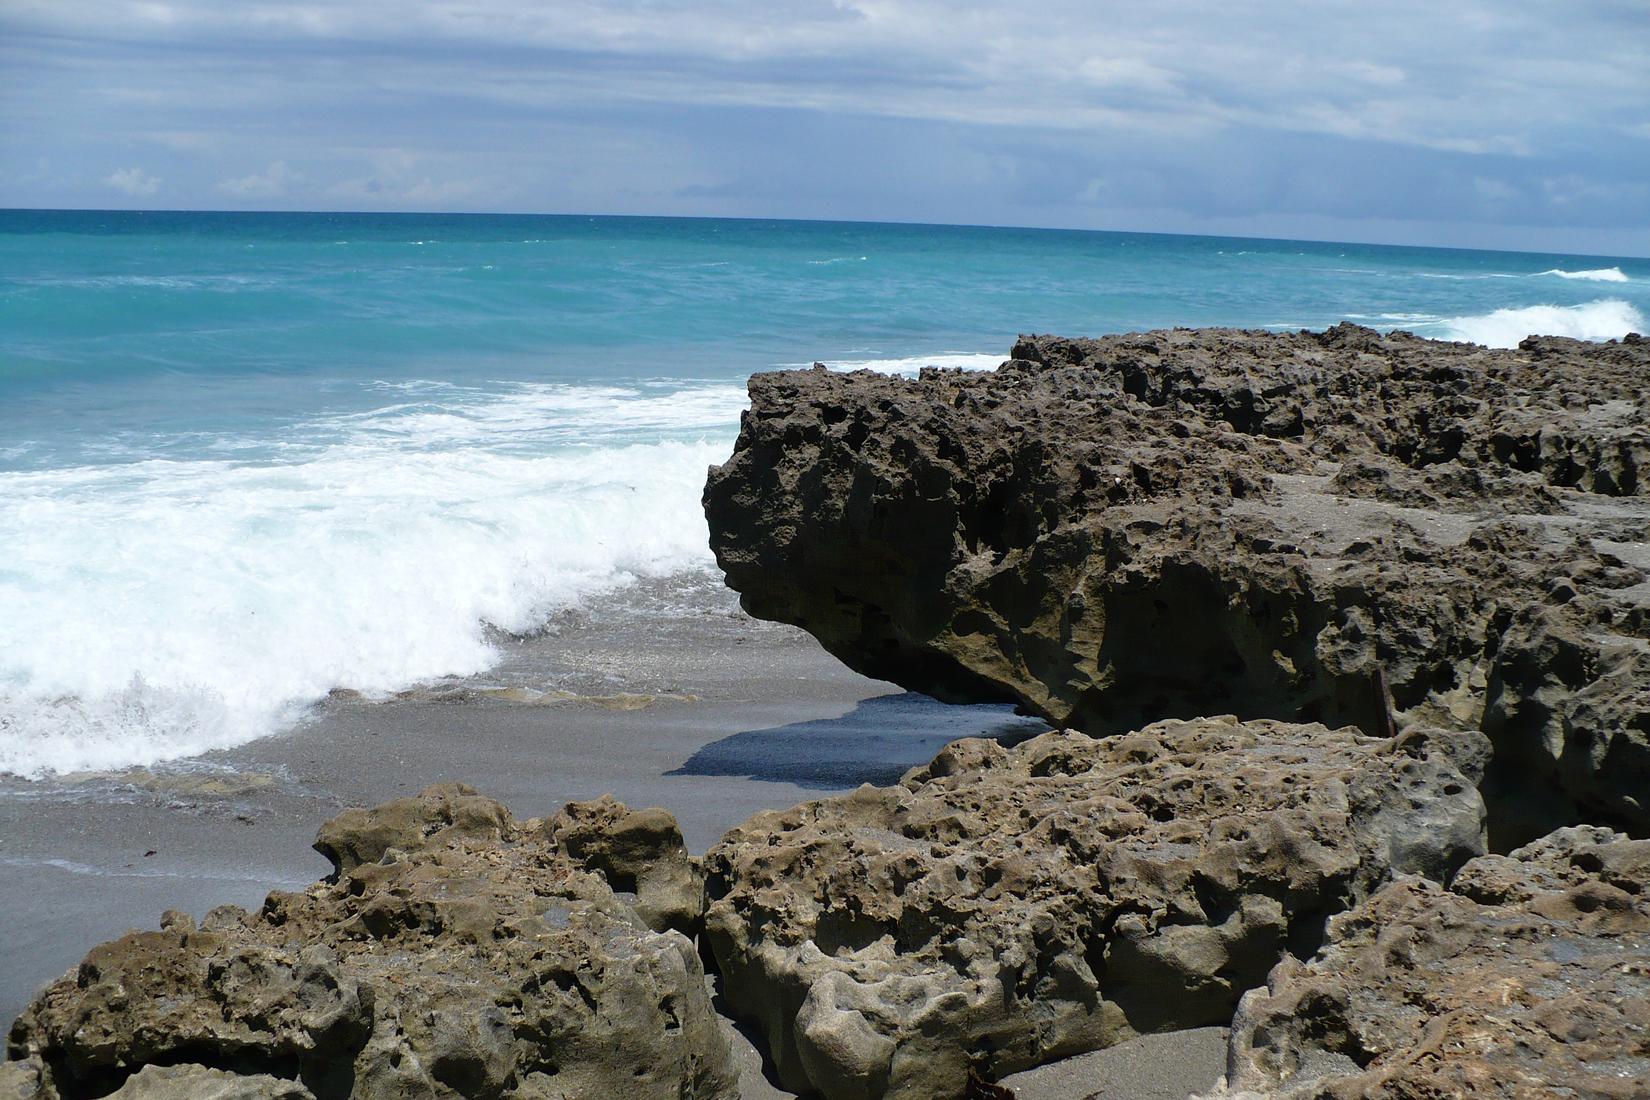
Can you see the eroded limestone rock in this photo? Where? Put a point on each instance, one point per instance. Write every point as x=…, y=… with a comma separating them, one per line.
x=639, y=852
x=202, y=1083
x=436, y=814
x=456, y=952
x=1018, y=905
x=1338, y=527
x=23, y=1080
x=1529, y=976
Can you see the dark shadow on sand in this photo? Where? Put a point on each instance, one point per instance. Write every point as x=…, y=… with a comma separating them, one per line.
x=876, y=742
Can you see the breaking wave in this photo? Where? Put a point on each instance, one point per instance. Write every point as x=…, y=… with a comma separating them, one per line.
x=1596, y=275
x=913, y=364
x=160, y=609
x=1605, y=319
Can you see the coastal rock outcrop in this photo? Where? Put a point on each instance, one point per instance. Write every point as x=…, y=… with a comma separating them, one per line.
x=1528, y=976
x=454, y=952
x=202, y=1083
x=1006, y=907
x=1342, y=527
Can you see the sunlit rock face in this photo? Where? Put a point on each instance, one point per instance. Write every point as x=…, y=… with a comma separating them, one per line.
x=1529, y=975
x=1006, y=907
x=455, y=952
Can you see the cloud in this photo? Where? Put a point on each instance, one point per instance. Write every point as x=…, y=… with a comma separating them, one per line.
x=272, y=182
x=401, y=178
x=1477, y=76
x=1093, y=113
x=132, y=181
x=423, y=193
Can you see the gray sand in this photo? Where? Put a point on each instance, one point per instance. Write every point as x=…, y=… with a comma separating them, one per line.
x=1152, y=1067
x=669, y=697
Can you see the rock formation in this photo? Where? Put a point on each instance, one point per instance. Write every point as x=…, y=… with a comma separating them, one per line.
x=1413, y=577
x=1014, y=906
x=455, y=952
x=1337, y=527
x=1528, y=976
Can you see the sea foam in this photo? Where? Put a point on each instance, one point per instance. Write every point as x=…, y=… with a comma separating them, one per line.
x=160, y=609
x=914, y=363
x=1605, y=319
x=1595, y=275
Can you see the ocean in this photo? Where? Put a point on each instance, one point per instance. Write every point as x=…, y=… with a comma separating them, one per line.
x=248, y=459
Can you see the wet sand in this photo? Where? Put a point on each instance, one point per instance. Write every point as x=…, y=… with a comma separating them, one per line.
x=670, y=698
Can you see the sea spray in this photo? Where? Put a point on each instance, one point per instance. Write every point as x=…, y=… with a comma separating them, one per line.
x=1592, y=275
x=163, y=608
x=1606, y=319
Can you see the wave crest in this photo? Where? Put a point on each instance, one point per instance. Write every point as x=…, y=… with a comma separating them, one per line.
x=1595, y=275
x=913, y=364
x=1605, y=319
x=159, y=609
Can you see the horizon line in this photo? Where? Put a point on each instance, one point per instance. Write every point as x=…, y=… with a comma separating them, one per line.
x=801, y=221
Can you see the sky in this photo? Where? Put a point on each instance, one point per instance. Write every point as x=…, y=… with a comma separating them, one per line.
x=1520, y=124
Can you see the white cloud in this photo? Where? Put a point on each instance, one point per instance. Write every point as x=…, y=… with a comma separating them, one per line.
x=444, y=192
x=401, y=178
x=132, y=181
x=1459, y=77
x=271, y=183
x=1572, y=188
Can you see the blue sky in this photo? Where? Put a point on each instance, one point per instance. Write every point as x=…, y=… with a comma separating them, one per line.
x=1483, y=123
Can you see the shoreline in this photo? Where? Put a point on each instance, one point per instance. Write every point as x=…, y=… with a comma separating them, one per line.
x=701, y=710
x=704, y=711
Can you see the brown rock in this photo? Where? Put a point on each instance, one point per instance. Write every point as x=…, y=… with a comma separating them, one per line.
x=1016, y=906
x=1331, y=527
x=435, y=815
x=639, y=852
x=201, y=1083
x=472, y=957
x=1528, y=977
x=23, y=1081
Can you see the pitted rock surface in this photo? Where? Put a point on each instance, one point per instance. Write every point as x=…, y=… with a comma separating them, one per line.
x=1340, y=527
x=201, y=1083
x=472, y=956
x=446, y=811
x=1528, y=977
x=641, y=854
x=1016, y=906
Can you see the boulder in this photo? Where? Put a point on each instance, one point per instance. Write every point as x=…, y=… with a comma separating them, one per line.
x=455, y=952
x=641, y=854
x=29, y=1080
x=23, y=1080
x=1337, y=527
x=1528, y=976
x=202, y=1083
x=436, y=814
x=1007, y=907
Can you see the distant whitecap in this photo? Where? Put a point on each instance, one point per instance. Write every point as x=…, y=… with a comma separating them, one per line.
x=914, y=363
x=1595, y=275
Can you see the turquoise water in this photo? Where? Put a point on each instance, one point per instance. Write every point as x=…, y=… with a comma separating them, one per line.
x=245, y=458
